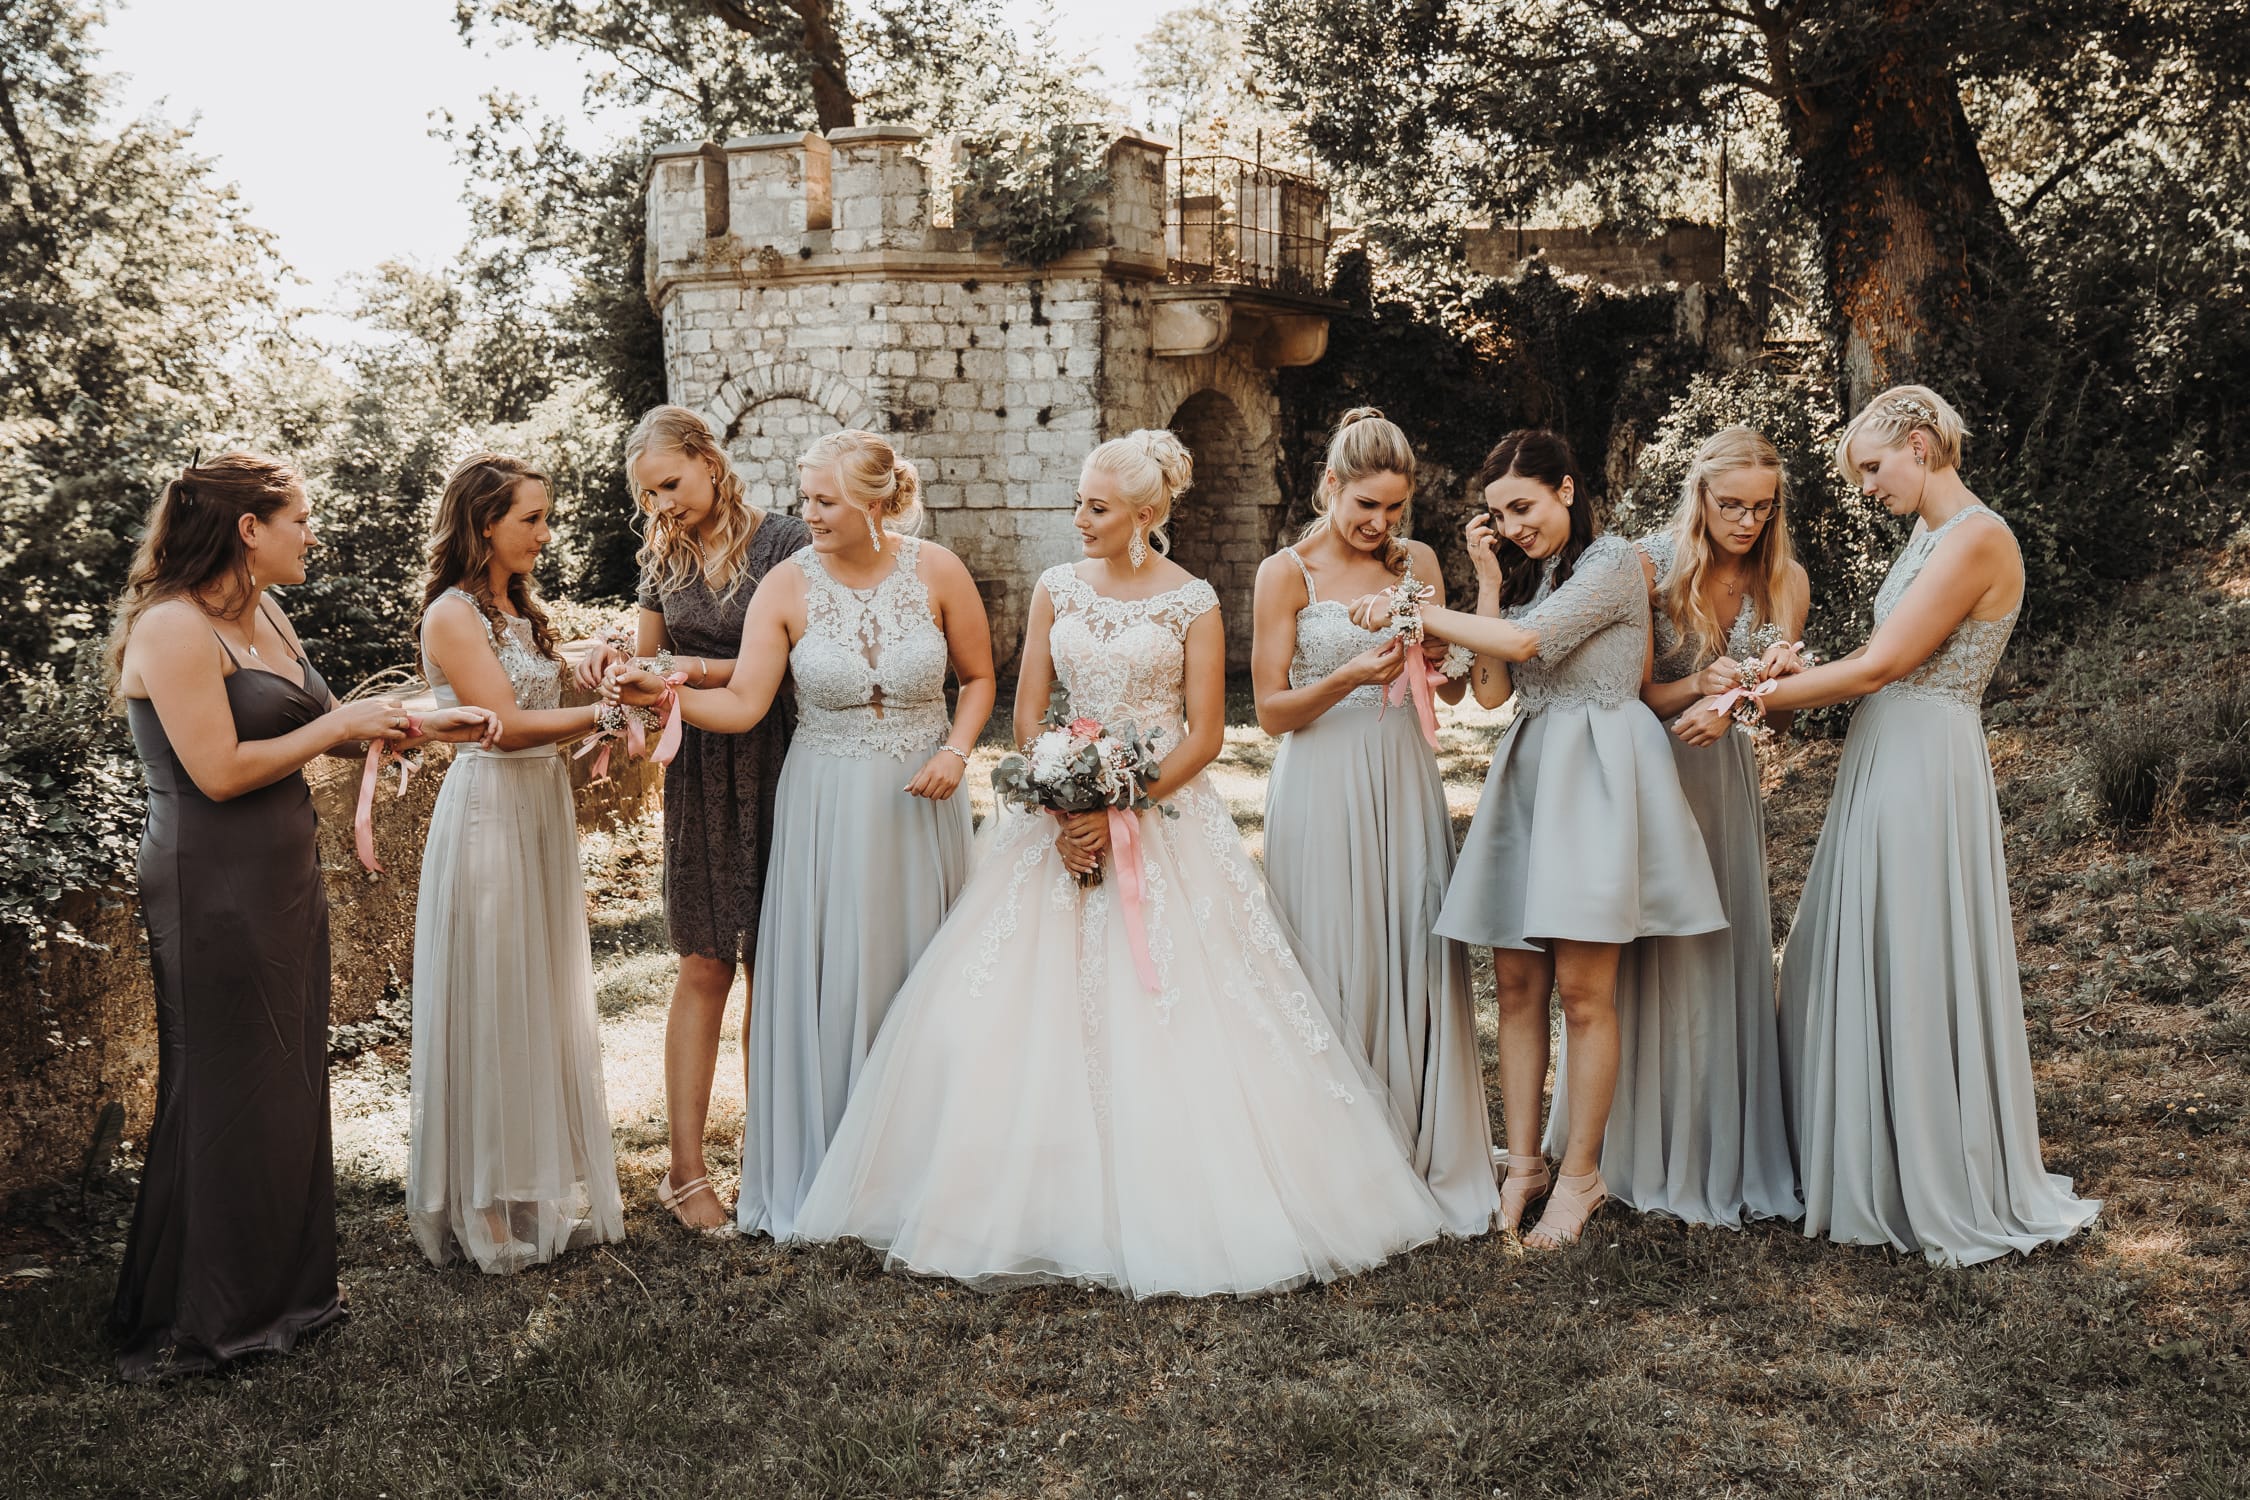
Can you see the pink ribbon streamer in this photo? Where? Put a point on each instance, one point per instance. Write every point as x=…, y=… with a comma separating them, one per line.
x=1125, y=843
x=1420, y=681
x=668, y=706
x=363, y=817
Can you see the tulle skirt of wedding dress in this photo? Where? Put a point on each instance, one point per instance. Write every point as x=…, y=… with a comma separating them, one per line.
x=1031, y=1111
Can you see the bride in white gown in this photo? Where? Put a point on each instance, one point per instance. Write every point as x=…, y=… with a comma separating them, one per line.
x=1030, y=1110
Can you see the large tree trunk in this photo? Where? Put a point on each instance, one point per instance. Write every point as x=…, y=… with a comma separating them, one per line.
x=817, y=44
x=1911, y=233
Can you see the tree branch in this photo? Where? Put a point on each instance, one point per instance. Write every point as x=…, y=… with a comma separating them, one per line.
x=2070, y=169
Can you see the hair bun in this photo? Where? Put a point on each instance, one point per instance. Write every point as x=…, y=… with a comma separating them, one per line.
x=909, y=481
x=1164, y=449
x=1360, y=414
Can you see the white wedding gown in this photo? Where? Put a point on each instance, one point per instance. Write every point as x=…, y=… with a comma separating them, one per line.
x=1032, y=1112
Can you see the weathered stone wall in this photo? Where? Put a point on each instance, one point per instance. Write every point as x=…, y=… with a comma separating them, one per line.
x=78, y=1025
x=1685, y=254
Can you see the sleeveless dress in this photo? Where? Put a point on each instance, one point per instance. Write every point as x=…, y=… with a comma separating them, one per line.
x=719, y=788
x=1031, y=1112
x=861, y=874
x=1582, y=831
x=1696, y=1128
x=1359, y=847
x=233, y=1244
x=1904, y=1062
x=509, y=1161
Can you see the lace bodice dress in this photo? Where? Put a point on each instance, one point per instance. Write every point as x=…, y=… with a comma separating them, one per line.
x=870, y=667
x=1208, y=1135
x=1696, y=1127
x=509, y=1160
x=1359, y=847
x=1582, y=831
x=862, y=872
x=1905, y=1068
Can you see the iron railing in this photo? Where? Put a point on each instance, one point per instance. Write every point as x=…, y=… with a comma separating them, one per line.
x=1233, y=222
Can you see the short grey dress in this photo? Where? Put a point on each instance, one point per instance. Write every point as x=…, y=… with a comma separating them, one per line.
x=509, y=1160
x=1696, y=1128
x=1358, y=851
x=1904, y=1062
x=719, y=789
x=862, y=874
x=1583, y=832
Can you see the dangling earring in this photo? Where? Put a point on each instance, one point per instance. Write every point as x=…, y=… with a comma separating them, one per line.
x=1137, y=553
x=874, y=532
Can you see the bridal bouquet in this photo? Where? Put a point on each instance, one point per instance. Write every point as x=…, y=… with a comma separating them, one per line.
x=1080, y=765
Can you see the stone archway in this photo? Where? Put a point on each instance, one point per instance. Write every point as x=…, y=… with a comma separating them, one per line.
x=768, y=417
x=1223, y=527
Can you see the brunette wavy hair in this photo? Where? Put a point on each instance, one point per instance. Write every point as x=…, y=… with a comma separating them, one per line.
x=480, y=492
x=193, y=543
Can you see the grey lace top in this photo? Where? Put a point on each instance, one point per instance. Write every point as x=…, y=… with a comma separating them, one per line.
x=1327, y=638
x=536, y=680
x=1962, y=665
x=870, y=667
x=1593, y=631
x=1675, y=656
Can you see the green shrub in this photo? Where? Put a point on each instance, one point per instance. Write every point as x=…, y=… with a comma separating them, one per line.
x=71, y=801
x=2130, y=760
x=2217, y=770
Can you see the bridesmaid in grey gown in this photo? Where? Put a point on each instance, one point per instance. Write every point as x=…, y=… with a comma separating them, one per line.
x=870, y=840
x=509, y=1159
x=1904, y=1061
x=1696, y=1128
x=1582, y=840
x=1358, y=843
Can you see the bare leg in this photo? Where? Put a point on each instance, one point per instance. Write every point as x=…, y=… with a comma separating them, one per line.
x=1586, y=973
x=691, y=1057
x=1524, y=980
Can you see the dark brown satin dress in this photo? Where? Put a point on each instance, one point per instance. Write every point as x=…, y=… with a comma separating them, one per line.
x=233, y=1245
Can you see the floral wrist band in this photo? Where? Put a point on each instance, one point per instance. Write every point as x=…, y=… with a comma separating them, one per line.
x=1458, y=660
x=1406, y=609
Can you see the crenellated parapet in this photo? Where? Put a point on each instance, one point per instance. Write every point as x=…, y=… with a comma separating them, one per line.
x=860, y=201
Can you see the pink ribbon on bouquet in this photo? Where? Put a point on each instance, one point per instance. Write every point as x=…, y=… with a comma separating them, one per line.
x=1419, y=680
x=363, y=818
x=1125, y=841
x=636, y=738
x=1763, y=686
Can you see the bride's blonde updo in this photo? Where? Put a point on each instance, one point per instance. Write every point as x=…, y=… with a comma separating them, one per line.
x=1152, y=468
x=872, y=475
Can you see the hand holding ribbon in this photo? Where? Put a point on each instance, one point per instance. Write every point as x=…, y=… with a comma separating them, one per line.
x=363, y=817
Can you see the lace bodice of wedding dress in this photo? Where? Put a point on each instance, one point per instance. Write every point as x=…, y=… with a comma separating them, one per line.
x=1124, y=660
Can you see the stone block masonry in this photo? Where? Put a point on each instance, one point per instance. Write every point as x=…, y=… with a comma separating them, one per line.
x=803, y=284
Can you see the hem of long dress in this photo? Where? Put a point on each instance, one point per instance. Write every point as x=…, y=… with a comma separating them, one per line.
x=1745, y=1214
x=147, y=1360
x=1102, y=1280
x=442, y=1248
x=2023, y=1244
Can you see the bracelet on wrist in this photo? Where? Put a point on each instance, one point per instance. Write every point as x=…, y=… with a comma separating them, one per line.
x=957, y=750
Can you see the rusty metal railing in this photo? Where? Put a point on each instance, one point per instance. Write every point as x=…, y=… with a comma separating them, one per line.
x=1236, y=222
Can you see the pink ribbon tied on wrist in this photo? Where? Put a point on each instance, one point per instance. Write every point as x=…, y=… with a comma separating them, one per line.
x=1125, y=842
x=1419, y=680
x=635, y=737
x=363, y=817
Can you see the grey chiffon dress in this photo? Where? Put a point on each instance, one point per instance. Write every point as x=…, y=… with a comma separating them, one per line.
x=861, y=873
x=232, y=1250
x=1905, y=1067
x=1582, y=831
x=719, y=788
x=509, y=1158
x=1696, y=1128
x=1358, y=851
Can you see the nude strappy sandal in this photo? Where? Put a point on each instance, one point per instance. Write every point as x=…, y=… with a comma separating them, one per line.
x=672, y=1197
x=1569, y=1206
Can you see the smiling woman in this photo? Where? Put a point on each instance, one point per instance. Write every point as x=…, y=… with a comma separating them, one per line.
x=510, y=1159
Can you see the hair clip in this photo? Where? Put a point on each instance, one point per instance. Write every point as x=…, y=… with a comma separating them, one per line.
x=1911, y=407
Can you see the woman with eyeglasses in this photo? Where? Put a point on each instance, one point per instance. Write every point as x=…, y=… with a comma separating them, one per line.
x=1582, y=841
x=706, y=550
x=1696, y=1128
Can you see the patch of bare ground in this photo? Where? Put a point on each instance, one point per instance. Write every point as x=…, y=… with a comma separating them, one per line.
x=1655, y=1359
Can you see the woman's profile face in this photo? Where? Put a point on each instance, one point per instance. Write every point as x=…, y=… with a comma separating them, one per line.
x=279, y=544
x=1529, y=514
x=1890, y=473
x=836, y=524
x=1104, y=520
x=517, y=537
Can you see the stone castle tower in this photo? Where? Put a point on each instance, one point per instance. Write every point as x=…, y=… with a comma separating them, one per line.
x=808, y=282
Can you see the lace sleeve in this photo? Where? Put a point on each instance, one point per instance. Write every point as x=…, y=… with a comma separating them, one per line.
x=1662, y=549
x=1605, y=588
x=1185, y=605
